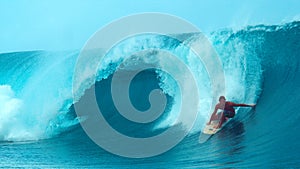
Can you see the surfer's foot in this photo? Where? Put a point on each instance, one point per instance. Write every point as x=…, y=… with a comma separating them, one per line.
x=217, y=127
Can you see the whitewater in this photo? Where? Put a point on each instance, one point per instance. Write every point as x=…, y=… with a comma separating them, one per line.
x=260, y=63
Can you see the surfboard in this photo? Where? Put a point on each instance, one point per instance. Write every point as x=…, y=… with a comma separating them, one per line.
x=209, y=130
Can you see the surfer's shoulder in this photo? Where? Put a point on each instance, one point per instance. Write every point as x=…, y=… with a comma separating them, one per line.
x=218, y=106
x=230, y=103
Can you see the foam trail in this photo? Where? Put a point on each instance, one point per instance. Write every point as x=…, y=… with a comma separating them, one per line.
x=12, y=121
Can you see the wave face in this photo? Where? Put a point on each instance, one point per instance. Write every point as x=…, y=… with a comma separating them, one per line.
x=261, y=65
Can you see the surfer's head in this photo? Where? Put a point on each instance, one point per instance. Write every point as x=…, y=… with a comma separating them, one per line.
x=222, y=98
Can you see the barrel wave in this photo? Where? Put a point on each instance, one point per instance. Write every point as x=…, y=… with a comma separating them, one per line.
x=260, y=63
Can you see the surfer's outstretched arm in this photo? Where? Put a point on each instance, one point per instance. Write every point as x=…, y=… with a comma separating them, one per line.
x=243, y=105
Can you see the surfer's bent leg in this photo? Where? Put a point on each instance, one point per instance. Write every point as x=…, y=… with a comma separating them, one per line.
x=225, y=116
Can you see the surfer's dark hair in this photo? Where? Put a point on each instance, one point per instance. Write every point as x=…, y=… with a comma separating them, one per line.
x=222, y=97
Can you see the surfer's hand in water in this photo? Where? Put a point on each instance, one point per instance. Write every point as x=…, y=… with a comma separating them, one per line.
x=208, y=123
x=253, y=106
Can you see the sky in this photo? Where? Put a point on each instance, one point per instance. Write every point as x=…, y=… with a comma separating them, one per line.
x=68, y=24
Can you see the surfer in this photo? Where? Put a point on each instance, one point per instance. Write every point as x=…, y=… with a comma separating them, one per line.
x=227, y=110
